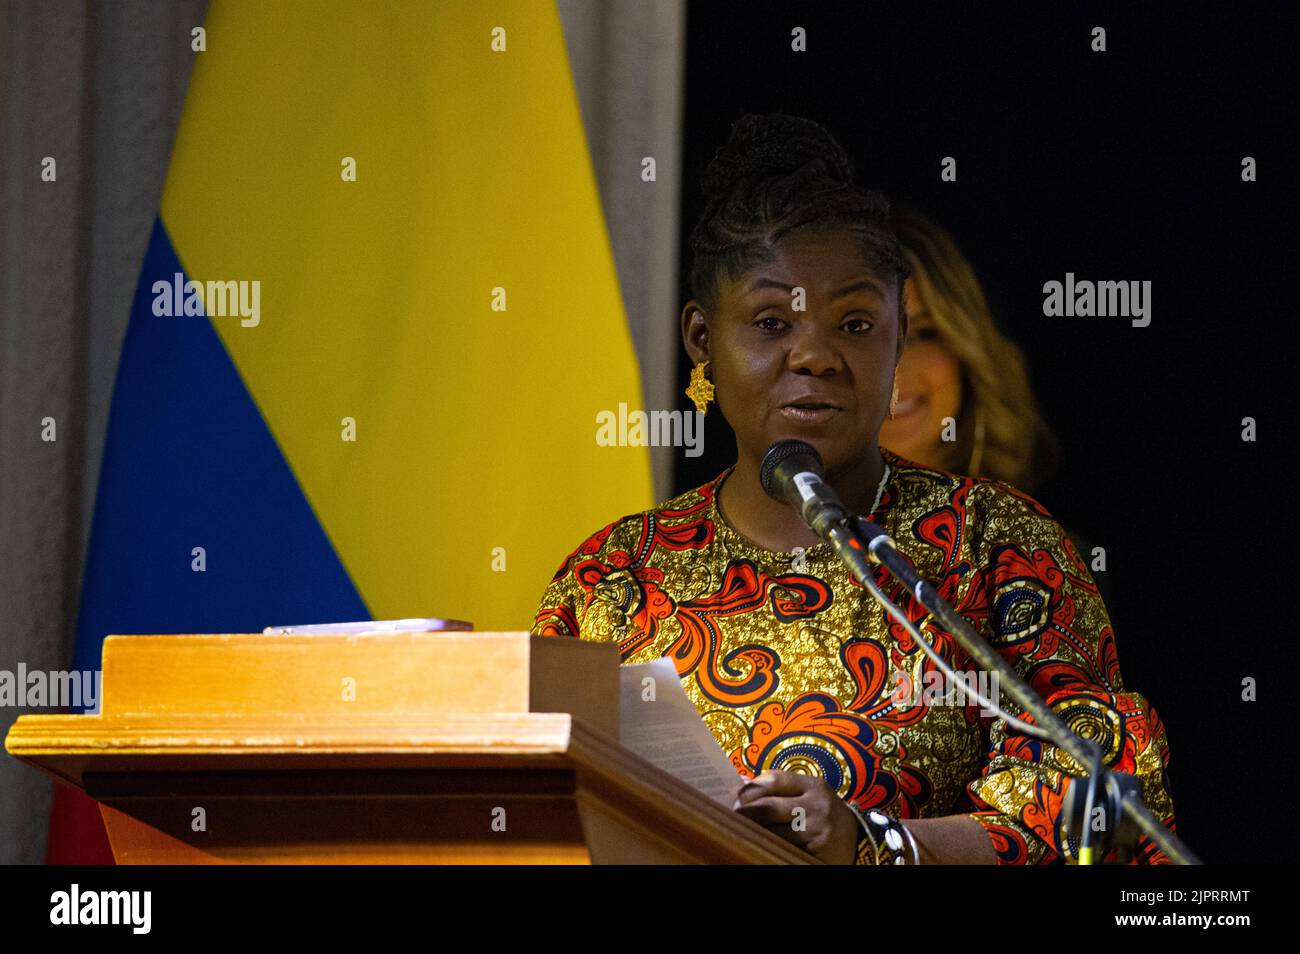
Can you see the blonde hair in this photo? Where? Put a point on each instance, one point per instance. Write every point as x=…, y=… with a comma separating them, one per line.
x=1001, y=433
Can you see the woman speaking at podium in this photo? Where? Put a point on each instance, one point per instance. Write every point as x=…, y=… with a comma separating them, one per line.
x=796, y=329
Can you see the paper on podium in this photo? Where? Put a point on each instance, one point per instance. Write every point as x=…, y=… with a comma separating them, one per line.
x=666, y=730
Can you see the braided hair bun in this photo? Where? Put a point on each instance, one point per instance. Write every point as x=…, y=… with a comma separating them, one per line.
x=777, y=173
x=776, y=147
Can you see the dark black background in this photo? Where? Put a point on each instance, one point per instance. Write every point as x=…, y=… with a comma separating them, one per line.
x=1122, y=165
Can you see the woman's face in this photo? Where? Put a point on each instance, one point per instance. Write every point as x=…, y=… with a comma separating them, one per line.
x=929, y=388
x=821, y=374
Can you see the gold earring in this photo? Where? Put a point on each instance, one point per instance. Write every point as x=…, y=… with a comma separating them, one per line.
x=893, y=397
x=701, y=388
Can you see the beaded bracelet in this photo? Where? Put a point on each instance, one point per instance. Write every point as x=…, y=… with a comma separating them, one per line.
x=884, y=840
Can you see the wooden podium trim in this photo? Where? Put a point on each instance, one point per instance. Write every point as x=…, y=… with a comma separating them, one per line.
x=614, y=788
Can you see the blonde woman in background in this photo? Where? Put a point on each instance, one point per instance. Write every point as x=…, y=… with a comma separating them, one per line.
x=958, y=365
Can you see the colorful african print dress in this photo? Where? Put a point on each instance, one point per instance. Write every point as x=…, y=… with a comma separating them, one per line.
x=794, y=666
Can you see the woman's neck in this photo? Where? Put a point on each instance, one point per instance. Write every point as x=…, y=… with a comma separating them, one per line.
x=777, y=526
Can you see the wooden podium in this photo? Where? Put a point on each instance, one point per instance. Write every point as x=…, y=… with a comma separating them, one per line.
x=406, y=748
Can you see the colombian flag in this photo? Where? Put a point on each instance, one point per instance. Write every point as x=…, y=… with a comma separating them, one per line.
x=403, y=318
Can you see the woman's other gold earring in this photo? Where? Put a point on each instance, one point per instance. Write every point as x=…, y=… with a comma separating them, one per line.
x=893, y=397
x=701, y=388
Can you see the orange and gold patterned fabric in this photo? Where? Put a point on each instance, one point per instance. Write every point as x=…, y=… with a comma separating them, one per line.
x=794, y=666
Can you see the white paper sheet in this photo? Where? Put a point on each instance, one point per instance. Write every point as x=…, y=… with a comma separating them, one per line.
x=669, y=732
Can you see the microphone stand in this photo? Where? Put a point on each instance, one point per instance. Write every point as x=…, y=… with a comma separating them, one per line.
x=858, y=541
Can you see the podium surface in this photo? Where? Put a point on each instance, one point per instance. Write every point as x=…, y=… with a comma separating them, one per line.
x=423, y=748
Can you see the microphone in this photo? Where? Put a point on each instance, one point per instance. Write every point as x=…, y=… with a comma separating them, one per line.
x=1116, y=827
x=791, y=473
